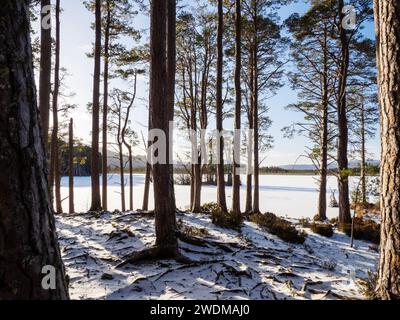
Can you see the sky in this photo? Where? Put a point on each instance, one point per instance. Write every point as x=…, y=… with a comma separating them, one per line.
x=76, y=40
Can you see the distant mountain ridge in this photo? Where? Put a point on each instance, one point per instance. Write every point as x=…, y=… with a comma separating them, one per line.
x=310, y=167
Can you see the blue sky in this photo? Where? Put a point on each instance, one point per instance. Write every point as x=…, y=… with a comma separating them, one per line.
x=76, y=40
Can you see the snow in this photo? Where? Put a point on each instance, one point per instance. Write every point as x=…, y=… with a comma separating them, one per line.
x=248, y=265
x=290, y=196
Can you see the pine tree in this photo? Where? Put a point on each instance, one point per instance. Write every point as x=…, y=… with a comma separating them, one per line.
x=28, y=238
x=387, y=21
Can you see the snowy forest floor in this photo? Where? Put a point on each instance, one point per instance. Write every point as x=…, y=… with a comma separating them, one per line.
x=251, y=264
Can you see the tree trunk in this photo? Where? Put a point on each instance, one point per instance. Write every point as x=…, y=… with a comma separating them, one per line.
x=256, y=199
x=164, y=198
x=146, y=194
x=54, y=176
x=122, y=176
x=322, y=203
x=96, y=200
x=171, y=75
x=197, y=188
x=343, y=131
x=145, y=206
x=127, y=144
x=28, y=240
x=249, y=184
x=130, y=178
x=238, y=110
x=221, y=197
x=105, y=110
x=363, y=166
x=71, y=166
x=387, y=16
x=45, y=69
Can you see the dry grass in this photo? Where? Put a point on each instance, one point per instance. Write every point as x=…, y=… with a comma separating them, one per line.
x=368, y=286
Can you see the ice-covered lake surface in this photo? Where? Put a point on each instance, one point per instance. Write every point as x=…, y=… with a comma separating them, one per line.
x=284, y=195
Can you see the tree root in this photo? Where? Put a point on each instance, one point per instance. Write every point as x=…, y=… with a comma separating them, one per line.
x=155, y=253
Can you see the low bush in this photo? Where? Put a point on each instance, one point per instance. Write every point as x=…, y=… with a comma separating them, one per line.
x=323, y=229
x=192, y=231
x=209, y=207
x=367, y=230
x=279, y=227
x=228, y=220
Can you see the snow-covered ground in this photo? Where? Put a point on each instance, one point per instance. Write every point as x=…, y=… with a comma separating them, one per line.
x=291, y=196
x=248, y=265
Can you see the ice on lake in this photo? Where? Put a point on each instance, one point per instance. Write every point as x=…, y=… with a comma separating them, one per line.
x=285, y=195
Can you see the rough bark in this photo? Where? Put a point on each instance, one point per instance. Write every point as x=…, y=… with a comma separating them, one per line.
x=387, y=17
x=221, y=197
x=164, y=198
x=104, y=193
x=45, y=74
x=343, y=131
x=71, y=166
x=95, y=178
x=28, y=239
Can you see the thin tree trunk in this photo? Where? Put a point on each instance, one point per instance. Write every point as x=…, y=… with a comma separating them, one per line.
x=96, y=200
x=238, y=110
x=54, y=176
x=121, y=159
x=71, y=166
x=256, y=198
x=164, y=198
x=249, y=184
x=105, y=110
x=363, y=157
x=28, y=240
x=127, y=144
x=122, y=176
x=145, y=206
x=146, y=194
x=45, y=69
x=343, y=131
x=322, y=202
x=387, y=17
x=221, y=197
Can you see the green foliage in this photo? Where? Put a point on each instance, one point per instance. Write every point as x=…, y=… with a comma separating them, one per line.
x=227, y=220
x=367, y=230
x=279, y=227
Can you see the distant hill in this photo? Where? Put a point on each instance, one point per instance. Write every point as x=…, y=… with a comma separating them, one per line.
x=310, y=167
